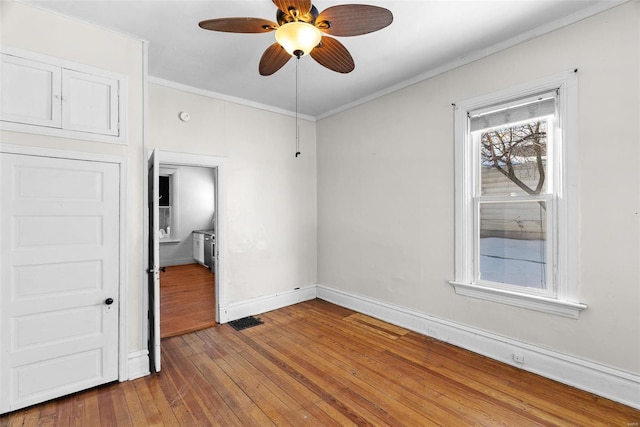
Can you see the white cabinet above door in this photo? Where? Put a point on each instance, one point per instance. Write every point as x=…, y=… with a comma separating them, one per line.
x=30, y=92
x=50, y=96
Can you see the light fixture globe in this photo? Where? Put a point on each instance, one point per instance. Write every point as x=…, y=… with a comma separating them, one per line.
x=298, y=38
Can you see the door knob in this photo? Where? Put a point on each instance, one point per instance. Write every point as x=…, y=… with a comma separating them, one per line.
x=108, y=301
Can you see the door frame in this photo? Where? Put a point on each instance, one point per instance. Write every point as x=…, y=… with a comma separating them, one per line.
x=207, y=161
x=123, y=371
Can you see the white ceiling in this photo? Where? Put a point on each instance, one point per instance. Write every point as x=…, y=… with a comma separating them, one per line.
x=425, y=37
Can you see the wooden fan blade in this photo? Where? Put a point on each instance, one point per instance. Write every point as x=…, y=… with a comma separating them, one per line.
x=273, y=59
x=333, y=55
x=353, y=19
x=302, y=6
x=239, y=25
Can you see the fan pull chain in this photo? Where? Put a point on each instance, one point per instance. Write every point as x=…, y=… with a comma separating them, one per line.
x=297, y=127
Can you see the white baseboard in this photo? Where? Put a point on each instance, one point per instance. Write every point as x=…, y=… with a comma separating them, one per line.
x=595, y=378
x=138, y=364
x=180, y=261
x=238, y=310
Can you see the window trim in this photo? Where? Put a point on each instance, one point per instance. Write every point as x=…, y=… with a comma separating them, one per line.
x=564, y=302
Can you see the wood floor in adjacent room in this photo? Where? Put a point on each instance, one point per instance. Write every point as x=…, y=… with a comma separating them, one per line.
x=318, y=364
x=187, y=299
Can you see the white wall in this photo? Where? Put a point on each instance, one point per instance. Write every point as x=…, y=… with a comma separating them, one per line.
x=196, y=204
x=271, y=195
x=386, y=192
x=46, y=33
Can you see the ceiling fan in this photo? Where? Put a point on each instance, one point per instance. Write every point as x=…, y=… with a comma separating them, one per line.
x=299, y=29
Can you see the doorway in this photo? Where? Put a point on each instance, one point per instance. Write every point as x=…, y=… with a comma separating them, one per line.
x=187, y=218
x=163, y=162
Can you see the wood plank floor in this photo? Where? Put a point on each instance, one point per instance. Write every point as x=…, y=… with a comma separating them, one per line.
x=318, y=364
x=187, y=299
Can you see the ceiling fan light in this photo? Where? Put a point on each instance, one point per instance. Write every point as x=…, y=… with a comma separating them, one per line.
x=296, y=37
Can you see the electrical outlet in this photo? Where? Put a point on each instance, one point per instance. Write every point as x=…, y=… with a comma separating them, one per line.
x=518, y=358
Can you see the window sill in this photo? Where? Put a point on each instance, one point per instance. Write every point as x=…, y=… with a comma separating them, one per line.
x=168, y=241
x=531, y=302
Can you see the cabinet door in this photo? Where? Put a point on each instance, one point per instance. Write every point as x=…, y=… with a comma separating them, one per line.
x=89, y=103
x=196, y=248
x=30, y=92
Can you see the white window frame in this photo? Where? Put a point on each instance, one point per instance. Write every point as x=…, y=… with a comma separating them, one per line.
x=562, y=298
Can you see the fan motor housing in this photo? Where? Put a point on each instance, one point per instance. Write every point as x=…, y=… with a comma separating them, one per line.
x=293, y=16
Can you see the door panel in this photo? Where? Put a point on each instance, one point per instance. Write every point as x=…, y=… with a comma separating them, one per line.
x=58, y=278
x=35, y=330
x=35, y=382
x=93, y=103
x=59, y=221
x=37, y=232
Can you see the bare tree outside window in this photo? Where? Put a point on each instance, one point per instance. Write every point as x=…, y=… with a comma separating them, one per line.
x=519, y=153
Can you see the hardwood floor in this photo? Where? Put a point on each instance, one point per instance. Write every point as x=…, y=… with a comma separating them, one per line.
x=318, y=364
x=187, y=299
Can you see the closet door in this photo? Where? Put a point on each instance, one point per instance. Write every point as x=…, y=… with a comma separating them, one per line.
x=30, y=92
x=89, y=103
x=59, y=277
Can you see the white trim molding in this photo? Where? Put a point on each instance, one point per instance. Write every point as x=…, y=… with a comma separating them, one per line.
x=238, y=310
x=531, y=302
x=479, y=54
x=207, y=161
x=605, y=381
x=222, y=97
x=138, y=364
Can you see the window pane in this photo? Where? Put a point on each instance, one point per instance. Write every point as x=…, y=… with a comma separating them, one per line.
x=164, y=191
x=165, y=221
x=514, y=159
x=513, y=243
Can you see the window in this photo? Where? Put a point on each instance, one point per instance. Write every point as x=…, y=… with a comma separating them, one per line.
x=516, y=222
x=167, y=205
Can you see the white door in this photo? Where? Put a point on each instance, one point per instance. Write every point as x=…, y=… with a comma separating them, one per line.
x=153, y=270
x=59, y=272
